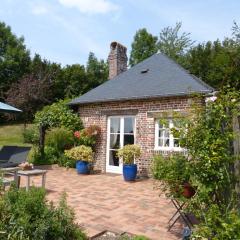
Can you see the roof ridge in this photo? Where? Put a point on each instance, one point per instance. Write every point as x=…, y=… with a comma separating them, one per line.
x=186, y=71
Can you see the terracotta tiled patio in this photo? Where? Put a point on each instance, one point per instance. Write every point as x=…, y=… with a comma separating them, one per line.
x=106, y=202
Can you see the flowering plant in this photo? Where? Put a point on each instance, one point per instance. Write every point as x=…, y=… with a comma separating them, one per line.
x=87, y=136
x=77, y=134
x=81, y=152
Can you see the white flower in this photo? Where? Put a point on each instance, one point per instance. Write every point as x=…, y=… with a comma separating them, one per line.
x=211, y=99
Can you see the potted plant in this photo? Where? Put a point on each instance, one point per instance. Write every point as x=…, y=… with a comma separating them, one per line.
x=83, y=156
x=174, y=173
x=128, y=154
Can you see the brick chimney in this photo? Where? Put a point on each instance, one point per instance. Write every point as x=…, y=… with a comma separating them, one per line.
x=117, y=59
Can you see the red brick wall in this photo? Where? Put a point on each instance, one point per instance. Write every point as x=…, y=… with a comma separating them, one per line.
x=145, y=126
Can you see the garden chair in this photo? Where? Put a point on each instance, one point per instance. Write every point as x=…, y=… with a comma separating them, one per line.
x=8, y=181
x=12, y=156
x=6, y=152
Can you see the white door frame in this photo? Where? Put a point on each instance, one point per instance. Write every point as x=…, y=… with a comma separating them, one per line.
x=117, y=169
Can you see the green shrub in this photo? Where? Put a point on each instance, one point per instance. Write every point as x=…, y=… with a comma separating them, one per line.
x=59, y=139
x=26, y=215
x=58, y=115
x=31, y=135
x=36, y=158
x=65, y=161
x=82, y=152
x=51, y=155
x=129, y=153
x=172, y=170
x=218, y=226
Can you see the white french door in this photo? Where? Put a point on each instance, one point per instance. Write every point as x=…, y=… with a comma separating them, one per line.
x=121, y=131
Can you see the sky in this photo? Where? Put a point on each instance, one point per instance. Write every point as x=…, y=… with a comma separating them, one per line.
x=65, y=31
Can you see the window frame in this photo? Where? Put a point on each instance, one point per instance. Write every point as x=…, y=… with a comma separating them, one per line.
x=171, y=138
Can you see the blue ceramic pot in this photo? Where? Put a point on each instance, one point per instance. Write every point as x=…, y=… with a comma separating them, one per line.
x=82, y=167
x=129, y=172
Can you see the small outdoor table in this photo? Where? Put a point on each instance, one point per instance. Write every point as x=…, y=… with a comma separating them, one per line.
x=33, y=172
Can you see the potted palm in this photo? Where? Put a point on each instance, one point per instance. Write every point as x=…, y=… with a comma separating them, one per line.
x=83, y=156
x=128, y=154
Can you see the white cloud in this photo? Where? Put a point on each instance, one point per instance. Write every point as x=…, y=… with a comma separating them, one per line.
x=90, y=6
x=39, y=10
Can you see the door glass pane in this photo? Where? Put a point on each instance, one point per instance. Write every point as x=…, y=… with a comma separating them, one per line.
x=115, y=125
x=114, y=141
x=129, y=124
x=128, y=139
x=113, y=159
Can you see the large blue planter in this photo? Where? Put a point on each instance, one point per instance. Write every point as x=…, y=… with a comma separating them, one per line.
x=129, y=172
x=82, y=167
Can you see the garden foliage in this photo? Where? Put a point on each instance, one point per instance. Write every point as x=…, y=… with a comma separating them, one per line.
x=82, y=152
x=129, y=153
x=87, y=136
x=26, y=215
x=210, y=164
x=59, y=139
x=58, y=115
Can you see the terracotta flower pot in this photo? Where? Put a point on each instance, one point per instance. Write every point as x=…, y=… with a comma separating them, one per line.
x=188, y=190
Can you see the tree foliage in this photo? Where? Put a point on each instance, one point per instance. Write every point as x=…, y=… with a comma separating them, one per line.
x=173, y=43
x=217, y=63
x=28, y=215
x=14, y=58
x=73, y=80
x=58, y=115
x=30, y=94
x=143, y=46
x=97, y=71
x=208, y=167
x=209, y=140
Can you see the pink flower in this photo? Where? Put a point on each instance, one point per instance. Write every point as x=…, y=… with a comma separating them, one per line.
x=77, y=134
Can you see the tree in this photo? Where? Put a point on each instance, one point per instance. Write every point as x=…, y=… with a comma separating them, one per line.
x=96, y=70
x=143, y=46
x=56, y=115
x=30, y=94
x=217, y=63
x=236, y=32
x=73, y=80
x=174, y=44
x=14, y=58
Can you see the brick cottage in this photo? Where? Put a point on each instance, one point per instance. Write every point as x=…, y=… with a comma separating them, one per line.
x=129, y=105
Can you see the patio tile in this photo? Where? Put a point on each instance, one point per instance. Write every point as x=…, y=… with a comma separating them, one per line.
x=106, y=202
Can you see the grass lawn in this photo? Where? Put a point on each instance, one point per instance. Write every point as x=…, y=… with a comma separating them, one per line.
x=12, y=135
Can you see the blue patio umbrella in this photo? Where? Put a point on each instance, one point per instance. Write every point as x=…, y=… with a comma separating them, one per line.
x=5, y=108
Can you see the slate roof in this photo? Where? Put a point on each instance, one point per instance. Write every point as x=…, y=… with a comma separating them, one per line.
x=157, y=76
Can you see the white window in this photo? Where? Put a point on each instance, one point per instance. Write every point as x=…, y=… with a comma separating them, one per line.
x=164, y=137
